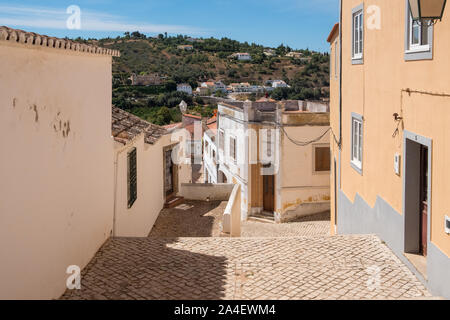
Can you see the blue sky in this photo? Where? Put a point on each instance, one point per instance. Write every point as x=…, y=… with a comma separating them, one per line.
x=297, y=23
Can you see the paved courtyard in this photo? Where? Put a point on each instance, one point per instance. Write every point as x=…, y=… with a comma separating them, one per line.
x=203, y=219
x=341, y=267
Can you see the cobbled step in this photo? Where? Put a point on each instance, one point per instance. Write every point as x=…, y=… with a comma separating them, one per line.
x=173, y=202
x=261, y=218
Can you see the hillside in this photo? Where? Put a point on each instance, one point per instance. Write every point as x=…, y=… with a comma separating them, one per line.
x=209, y=59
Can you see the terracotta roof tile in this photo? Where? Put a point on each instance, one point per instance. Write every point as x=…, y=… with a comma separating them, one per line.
x=125, y=127
x=34, y=39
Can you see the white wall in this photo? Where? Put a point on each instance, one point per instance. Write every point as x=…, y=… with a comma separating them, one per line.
x=138, y=220
x=236, y=172
x=206, y=191
x=56, y=195
x=209, y=164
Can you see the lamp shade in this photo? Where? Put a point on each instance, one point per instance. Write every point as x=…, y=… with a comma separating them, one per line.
x=427, y=9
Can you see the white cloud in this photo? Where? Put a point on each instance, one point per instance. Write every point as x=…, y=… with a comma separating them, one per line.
x=52, y=18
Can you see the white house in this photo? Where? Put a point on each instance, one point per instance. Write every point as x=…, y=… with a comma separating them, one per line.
x=210, y=156
x=269, y=52
x=280, y=180
x=186, y=47
x=184, y=87
x=145, y=176
x=242, y=56
x=220, y=86
x=294, y=54
x=279, y=84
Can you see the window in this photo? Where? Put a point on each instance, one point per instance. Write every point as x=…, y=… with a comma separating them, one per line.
x=233, y=148
x=358, y=33
x=269, y=143
x=132, y=177
x=357, y=142
x=221, y=140
x=418, y=38
x=418, y=35
x=322, y=158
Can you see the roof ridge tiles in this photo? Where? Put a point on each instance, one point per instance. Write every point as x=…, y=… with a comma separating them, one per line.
x=31, y=38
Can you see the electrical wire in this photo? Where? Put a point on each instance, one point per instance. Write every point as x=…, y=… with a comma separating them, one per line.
x=306, y=143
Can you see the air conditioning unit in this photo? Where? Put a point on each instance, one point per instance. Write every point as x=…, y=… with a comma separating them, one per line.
x=447, y=224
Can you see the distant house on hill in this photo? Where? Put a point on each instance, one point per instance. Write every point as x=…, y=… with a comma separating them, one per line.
x=242, y=56
x=293, y=54
x=184, y=87
x=214, y=86
x=186, y=47
x=279, y=84
x=145, y=80
x=269, y=52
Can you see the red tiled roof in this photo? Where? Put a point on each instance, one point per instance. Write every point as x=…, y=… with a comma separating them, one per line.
x=172, y=125
x=191, y=116
x=211, y=120
x=126, y=126
x=333, y=31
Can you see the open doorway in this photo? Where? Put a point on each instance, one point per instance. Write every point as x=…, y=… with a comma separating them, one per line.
x=417, y=200
x=222, y=178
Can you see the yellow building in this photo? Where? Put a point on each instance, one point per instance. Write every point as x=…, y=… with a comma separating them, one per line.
x=390, y=109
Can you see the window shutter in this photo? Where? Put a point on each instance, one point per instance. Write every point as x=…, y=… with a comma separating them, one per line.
x=322, y=159
x=132, y=177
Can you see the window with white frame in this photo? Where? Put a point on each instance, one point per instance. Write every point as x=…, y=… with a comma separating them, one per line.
x=358, y=33
x=357, y=142
x=418, y=38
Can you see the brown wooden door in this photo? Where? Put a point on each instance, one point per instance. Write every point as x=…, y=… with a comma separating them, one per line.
x=268, y=193
x=423, y=200
x=169, y=174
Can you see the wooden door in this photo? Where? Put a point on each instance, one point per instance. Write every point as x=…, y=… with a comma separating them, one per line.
x=423, y=200
x=269, y=193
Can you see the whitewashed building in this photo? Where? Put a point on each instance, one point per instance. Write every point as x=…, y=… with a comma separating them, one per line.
x=184, y=87
x=242, y=56
x=261, y=147
x=210, y=156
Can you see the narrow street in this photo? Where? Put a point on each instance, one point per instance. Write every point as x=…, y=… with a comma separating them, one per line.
x=184, y=257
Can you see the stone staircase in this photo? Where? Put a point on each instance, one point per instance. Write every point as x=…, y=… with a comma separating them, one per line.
x=173, y=201
x=264, y=217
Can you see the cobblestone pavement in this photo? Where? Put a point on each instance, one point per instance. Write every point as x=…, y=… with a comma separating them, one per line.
x=311, y=226
x=191, y=219
x=203, y=219
x=340, y=267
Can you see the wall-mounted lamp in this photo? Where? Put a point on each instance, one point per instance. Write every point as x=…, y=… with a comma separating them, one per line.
x=427, y=9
